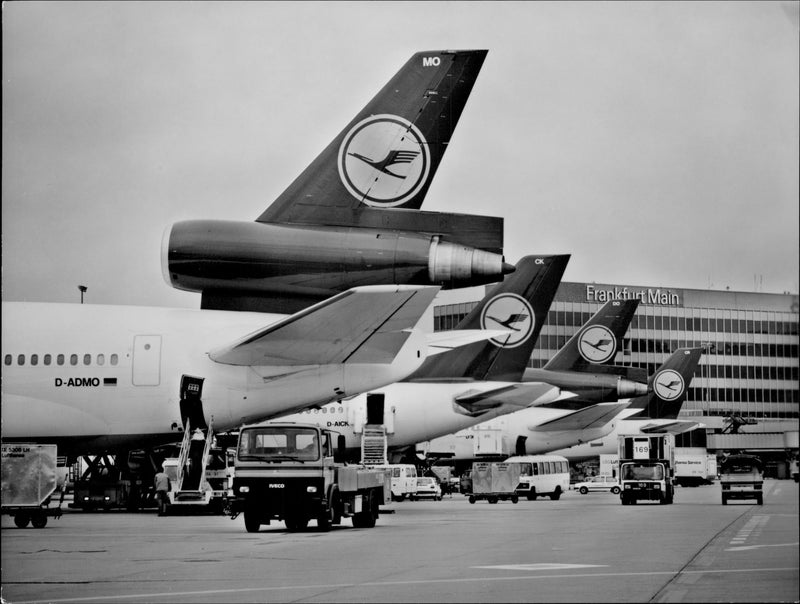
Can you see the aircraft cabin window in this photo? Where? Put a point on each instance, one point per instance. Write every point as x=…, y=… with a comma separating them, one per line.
x=21, y=359
x=87, y=359
x=60, y=359
x=34, y=359
x=101, y=359
x=47, y=359
x=114, y=359
x=7, y=360
x=73, y=359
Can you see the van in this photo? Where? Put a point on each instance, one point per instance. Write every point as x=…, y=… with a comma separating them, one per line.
x=404, y=480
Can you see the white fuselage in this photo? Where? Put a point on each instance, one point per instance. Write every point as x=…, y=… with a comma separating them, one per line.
x=499, y=436
x=609, y=443
x=101, y=376
x=413, y=411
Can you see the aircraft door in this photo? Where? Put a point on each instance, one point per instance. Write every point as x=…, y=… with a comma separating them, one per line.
x=375, y=405
x=146, y=360
x=191, y=404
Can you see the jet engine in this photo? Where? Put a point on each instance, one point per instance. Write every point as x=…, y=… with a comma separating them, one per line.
x=228, y=259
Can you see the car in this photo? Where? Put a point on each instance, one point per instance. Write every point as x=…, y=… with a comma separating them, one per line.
x=428, y=487
x=598, y=483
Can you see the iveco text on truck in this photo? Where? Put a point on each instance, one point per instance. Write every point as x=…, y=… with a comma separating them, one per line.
x=289, y=472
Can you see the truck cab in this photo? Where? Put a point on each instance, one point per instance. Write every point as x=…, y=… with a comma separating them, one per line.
x=646, y=468
x=741, y=477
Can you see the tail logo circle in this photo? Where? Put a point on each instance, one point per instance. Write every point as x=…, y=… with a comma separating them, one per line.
x=668, y=384
x=597, y=344
x=510, y=312
x=384, y=161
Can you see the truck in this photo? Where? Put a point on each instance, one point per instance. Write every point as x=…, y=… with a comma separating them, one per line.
x=29, y=480
x=296, y=472
x=494, y=481
x=741, y=477
x=646, y=468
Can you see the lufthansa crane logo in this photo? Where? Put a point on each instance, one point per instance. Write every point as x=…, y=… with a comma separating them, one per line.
x=597, y=344
x=668, y=384
x=384, y=161
x=511, y=312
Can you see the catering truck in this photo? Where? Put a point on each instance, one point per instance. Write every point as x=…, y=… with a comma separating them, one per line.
x=29, y=480
x=293, y=472
x=646, y=468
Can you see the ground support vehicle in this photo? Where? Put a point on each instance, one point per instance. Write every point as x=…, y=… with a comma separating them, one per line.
x=404, y=479
x=428, y=487
x=741, y=477
x=494, y=482
x=28, y=483
x=541, y=475
x=289, y=472
x=693, y=466
x=646, y=468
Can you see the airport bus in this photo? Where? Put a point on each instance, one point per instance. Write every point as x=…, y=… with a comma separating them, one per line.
x=541, y=475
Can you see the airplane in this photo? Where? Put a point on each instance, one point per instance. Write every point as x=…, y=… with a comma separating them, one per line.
x=651, y=415
x=460, y=387
x=353, y=216
x=548, y=429
x=96, y=378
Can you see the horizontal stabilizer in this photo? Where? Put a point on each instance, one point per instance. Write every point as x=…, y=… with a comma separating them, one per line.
x=676, y=427
x=362, y=325
x=518, y=395
x=595, y=416
x=442, y=341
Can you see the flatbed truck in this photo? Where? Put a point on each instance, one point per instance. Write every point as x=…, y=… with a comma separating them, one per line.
x=295, y=473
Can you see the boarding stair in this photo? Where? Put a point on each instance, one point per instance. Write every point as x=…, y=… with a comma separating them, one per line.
x=373, y=445
x=187, y=493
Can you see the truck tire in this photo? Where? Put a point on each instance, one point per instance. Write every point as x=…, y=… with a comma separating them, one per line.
x=327, y=513
x=22, y=519
x=514, y=499
x=760, y=500
x=532, y=494
x=39, y=520
x=491, y=499
x=367, y=517
x=472, y=498
x=724, y=500
x=584, y=490
x=252, y=522
x=296, y=522
x=625, y=500
x=555, y=495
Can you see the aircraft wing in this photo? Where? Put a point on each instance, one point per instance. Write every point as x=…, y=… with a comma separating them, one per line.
x=522, y=395
x=366, y=324
x=594, y=416
x=675, y=427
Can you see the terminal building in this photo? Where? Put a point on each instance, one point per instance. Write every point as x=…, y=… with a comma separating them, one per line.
x=747, y=387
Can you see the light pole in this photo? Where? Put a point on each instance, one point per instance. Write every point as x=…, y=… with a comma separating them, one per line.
x=83, y=289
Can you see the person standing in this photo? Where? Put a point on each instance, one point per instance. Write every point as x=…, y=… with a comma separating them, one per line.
x=161, y=482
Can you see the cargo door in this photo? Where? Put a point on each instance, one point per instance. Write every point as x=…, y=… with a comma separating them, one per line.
x=146, y=360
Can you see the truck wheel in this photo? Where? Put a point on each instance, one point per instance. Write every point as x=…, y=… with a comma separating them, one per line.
x=252, y=523
x=555, y=495
x=22, y=519
x=532, y=495
x=724, y=500
x=760, y=500
x=584, y=490
x=472, y=498
x=625, y=500
x=614, y=490
x=491, y=499
x=514, y=499
x=39, y=520
x=366, y=518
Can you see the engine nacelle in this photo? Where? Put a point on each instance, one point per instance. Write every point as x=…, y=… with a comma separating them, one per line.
x=254, y=257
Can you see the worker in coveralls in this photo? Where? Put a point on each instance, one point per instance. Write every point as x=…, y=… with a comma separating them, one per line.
x=162, y=487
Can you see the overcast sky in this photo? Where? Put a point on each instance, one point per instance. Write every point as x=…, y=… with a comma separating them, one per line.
x=655, y=142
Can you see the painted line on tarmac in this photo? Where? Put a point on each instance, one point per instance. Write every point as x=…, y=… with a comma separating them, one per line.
x=165, y=596
x=543, y=566
x=742, y=548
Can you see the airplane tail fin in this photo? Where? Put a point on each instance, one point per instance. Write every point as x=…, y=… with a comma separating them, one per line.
x=598, y=341
x=387, y=156
x=519, y=305
x=669, y=385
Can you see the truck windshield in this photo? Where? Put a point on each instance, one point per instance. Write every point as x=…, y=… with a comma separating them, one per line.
x=635, y=471
x=279, y=443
